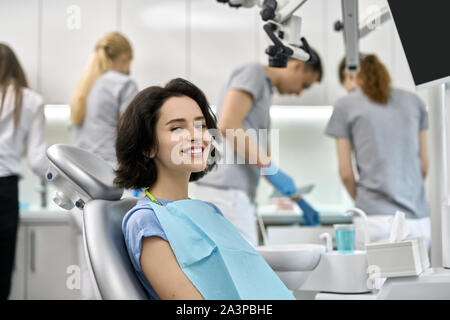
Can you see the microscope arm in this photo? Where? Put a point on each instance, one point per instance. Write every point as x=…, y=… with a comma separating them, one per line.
x=282, y=28
x=353, y=32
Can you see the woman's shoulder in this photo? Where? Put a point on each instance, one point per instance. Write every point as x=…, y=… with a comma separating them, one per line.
x=116, y=83
x=32, y=99
x=140, y=216
x=404, y=93
x=347, y=102
x=407, y=97
x=116, y=77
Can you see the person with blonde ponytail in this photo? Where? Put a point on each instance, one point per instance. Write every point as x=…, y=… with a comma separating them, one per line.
x=22, y=130
x=385, y=129
x=101, y=95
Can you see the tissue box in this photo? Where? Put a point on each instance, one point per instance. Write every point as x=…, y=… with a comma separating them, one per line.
x=423, y=251
x=408, y=257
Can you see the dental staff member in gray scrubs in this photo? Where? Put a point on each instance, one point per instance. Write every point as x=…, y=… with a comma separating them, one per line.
x=385, y=128
x=102, y=94
x=244, y=103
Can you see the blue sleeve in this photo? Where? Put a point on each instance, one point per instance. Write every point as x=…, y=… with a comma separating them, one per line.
x=137, y=224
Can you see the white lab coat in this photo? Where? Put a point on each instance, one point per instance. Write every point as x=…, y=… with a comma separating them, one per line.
x=29, y=136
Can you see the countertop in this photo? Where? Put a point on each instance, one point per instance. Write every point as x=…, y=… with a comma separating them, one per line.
x=283, y=217
x=270, y=214
x=44, y=216
x=326, y=218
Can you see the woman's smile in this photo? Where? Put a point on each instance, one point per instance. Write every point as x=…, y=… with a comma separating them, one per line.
x=194, y=151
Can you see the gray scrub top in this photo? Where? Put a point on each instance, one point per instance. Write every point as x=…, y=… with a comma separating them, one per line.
x=385, y=142
x=109, y=97
x=251, y=78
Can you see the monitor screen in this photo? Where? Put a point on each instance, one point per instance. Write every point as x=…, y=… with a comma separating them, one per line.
x=423, y=27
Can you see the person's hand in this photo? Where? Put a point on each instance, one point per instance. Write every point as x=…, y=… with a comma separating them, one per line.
x=310, y=215
x=279, y=179
x=263, y=161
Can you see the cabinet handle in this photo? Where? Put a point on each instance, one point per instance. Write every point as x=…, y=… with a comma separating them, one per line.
x=32, y=251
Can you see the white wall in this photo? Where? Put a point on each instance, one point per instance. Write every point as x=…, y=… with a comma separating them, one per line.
x=19, y=25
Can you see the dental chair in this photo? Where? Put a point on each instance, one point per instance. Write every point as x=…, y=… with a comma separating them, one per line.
x=84, y=184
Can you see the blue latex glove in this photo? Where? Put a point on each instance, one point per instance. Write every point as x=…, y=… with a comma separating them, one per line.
x=279, y=179
x=310, y=215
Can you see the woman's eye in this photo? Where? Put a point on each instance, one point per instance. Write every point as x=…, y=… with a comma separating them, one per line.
x=175, y=128
x=201, y=126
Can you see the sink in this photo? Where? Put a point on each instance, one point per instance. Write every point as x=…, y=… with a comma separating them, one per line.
x=292, y=262
x=292, y=257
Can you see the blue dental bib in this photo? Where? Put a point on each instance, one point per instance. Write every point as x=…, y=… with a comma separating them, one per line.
x=218, y=261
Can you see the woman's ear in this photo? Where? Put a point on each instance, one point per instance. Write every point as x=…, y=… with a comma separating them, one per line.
x=150, y=154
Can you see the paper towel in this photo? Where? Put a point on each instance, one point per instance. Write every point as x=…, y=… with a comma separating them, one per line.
x=399, y=228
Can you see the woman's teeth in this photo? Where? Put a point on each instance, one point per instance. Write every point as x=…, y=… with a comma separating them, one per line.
x=193, y=151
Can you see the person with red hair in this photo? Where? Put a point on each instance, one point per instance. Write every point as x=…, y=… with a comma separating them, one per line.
x=385, y=129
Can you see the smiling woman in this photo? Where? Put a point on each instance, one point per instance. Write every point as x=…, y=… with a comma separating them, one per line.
x=160, y=117
x=182, y=248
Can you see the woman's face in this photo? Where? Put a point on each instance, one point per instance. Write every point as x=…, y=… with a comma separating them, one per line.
x=183, y=139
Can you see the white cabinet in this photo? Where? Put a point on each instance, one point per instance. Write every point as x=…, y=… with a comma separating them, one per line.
x=44, y=252
x=52, y=249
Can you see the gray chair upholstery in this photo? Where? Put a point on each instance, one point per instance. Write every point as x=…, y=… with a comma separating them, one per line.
x=82, y=177
x=108, y=255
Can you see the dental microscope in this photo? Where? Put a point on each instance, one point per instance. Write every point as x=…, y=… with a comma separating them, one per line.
x=282, y=28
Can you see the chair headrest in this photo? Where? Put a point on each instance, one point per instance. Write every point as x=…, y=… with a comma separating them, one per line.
x=86, y=170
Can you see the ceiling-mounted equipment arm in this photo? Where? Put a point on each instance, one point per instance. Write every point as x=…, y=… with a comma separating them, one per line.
x=353, y=32
x=372, y=22
x=282, y=28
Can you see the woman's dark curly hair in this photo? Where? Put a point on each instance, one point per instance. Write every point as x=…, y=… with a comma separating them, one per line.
x=136, y=134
